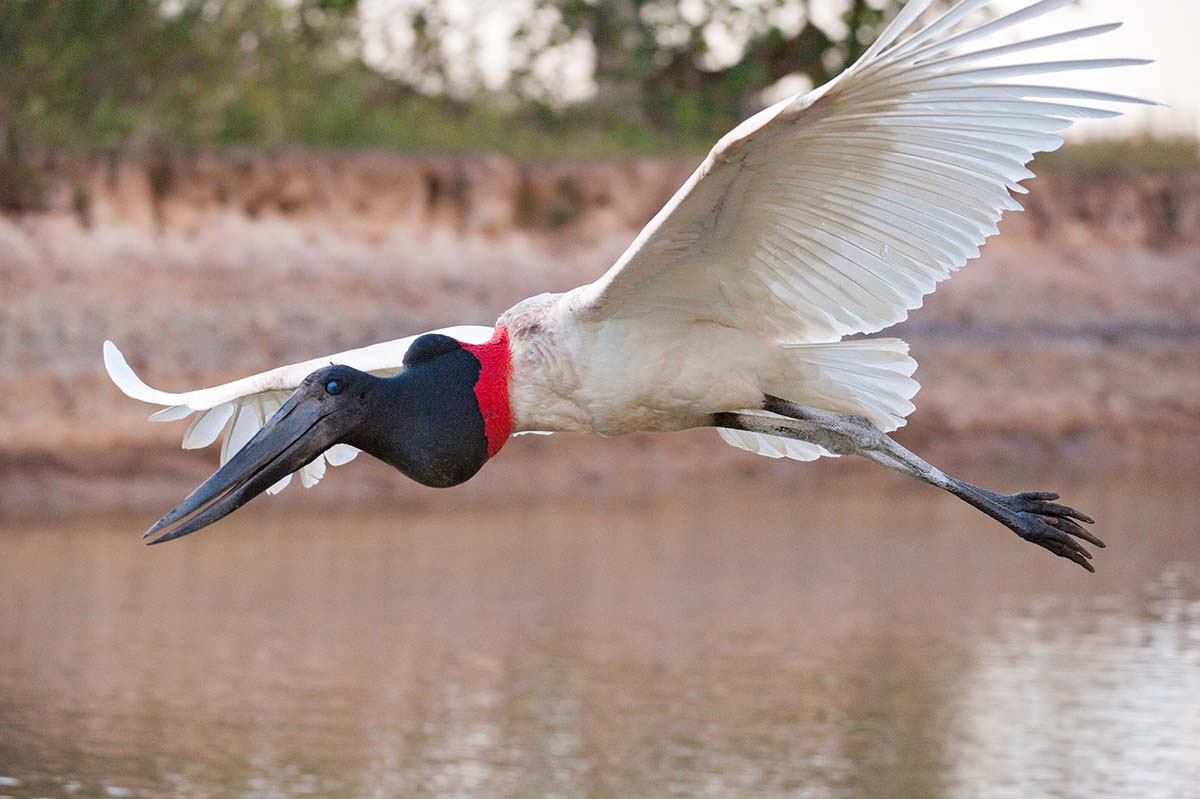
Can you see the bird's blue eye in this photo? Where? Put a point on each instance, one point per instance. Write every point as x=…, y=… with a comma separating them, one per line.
x=333, y=387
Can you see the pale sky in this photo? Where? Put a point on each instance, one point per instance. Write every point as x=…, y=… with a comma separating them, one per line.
x=1165, y=30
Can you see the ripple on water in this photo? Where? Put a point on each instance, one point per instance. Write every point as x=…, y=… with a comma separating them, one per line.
x=702, y=645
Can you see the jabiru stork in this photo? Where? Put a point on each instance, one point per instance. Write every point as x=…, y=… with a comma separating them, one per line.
x=826, y=215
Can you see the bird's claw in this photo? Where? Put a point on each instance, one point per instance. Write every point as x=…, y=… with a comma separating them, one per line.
x=1035, y=516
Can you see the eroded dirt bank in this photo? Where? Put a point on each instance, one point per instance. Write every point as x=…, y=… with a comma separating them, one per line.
x=1075, y=341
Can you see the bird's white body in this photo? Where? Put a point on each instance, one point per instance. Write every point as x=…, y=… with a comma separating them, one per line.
x=826, y=215
x=609, y=378
x=663, y=373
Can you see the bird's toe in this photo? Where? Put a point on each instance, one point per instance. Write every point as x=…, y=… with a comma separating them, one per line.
x=1037, y=518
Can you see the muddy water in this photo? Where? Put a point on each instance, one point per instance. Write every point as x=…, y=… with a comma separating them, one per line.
x=854, y=638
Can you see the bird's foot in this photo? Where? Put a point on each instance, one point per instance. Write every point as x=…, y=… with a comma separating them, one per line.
x=1036, y=517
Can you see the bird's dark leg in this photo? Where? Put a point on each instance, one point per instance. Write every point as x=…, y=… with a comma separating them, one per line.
x=1033, y=515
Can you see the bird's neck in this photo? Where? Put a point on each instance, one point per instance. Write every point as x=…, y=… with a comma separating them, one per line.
x=491, y=388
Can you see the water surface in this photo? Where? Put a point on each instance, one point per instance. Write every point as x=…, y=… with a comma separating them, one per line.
x=849, y=638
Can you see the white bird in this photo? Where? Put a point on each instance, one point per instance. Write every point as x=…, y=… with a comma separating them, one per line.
x=828, y=214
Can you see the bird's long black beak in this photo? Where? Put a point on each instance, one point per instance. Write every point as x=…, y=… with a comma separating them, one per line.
x=298, y=432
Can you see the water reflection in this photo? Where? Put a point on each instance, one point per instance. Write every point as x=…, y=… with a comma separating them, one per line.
x=880, y=643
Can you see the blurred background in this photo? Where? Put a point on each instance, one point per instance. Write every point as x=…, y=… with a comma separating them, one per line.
x=222, y=186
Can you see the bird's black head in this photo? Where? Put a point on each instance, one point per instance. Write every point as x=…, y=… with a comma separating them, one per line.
x=426, y=421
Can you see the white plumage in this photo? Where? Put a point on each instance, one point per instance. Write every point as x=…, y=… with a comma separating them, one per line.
x=835, y=212
x=825, y=215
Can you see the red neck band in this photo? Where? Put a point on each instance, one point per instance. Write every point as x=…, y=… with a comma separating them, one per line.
x=491, y=389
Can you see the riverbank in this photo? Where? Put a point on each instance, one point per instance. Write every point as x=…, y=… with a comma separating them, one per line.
x=1074, y=343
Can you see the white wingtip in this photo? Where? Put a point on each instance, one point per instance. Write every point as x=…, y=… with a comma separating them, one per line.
x=205, y=428
x=171, y=414
x=340, y=454
x=899, y=24
x=130, y=384
x=280, y=485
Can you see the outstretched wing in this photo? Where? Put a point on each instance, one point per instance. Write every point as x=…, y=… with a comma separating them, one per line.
x=835, y=212
x=240, y=408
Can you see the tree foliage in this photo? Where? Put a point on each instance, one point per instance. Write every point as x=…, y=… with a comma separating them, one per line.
x=654, y=59
x=168, y=73
x=116, y=74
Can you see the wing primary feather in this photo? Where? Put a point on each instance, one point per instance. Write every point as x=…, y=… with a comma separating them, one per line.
x=937, y=141
x=312, y=473
x=280, y=484
x=952, y=17
x=965, y=104
x=899, y=24
x=1013, y=92
x=1064, y=93
x=949, y=168
x=1022, y=46
x=171, y=414
x=207, y=425
x=967, y=220
x=988, y=28
x=965, y=188
x=977, y=157
x=340, y=454
x=1046, y=67
x=238, y=410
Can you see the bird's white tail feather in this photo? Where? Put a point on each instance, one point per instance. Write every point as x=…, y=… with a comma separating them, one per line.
x=869, y=377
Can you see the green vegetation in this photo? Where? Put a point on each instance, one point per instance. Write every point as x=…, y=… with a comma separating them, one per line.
x=155, y=75
x=151, y=74
x=1124, y=155
x=136, y=74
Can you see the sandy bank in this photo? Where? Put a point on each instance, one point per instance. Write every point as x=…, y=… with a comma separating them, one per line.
x=1074, y=342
